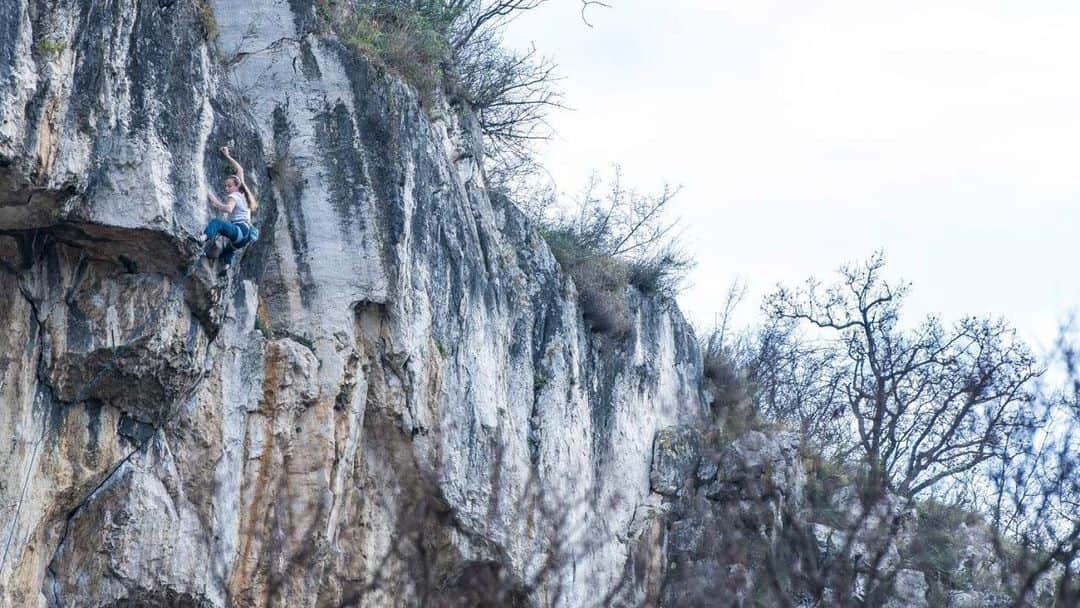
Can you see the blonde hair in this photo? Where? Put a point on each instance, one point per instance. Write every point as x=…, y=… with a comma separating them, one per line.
x=252, y=203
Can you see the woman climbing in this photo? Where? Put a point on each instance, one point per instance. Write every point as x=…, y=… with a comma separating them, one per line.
x=239, y=204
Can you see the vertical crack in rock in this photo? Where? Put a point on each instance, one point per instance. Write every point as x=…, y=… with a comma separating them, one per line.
x=42, y=379
x=51, y=579
x=55, y=407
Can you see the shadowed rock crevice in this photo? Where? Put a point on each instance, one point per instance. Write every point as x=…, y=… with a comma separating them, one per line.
x=113, y=335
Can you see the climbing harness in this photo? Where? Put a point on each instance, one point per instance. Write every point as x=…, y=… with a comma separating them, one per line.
x=81, y=395
x=249, y=237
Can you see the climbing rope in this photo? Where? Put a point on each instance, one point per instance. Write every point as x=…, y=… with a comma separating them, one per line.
x=81, y=395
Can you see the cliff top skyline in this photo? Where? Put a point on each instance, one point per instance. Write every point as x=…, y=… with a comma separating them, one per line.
x=806, y=137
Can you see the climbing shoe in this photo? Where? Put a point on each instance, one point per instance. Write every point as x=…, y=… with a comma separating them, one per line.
x=213, y=249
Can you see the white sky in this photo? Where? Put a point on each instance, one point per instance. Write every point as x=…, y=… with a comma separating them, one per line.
x=806, y=134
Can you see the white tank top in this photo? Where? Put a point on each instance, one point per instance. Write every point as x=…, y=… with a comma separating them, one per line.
x=240, y=212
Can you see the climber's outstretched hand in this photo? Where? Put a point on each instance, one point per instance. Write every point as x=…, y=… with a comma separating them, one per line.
x=235, y=165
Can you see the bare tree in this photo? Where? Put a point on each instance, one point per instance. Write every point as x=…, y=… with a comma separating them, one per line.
x=922, y=404
x=797, y=381
x=1034, y=497
x=941, y=469
x=719, y=342
x=511, y=93
x=474, y=17
x=614, y=220
x=615, y=225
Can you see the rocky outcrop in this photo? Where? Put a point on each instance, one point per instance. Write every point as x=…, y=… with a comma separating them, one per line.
x=722, y=505
x=392, y=398
x=675, y=458
x=743, y=519
x=740, y=530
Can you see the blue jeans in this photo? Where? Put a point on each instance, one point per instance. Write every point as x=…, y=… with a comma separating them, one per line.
x=236, y=233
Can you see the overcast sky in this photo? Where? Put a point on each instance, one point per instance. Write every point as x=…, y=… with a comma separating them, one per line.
x=806, y=134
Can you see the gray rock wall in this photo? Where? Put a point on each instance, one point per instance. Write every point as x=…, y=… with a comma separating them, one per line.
x=390, y=400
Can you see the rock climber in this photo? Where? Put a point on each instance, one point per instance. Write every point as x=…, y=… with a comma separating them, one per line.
x=239, y=205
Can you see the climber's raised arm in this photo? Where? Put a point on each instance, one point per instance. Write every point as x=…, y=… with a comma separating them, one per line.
x=235, y=165
x=239, y=204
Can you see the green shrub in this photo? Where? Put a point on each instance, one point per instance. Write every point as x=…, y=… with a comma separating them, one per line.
x=601, y=282
x=408, y=40
x=936, y=550
x=659, y=274
x=609, y=238
x=51, y=48
x=602, y=294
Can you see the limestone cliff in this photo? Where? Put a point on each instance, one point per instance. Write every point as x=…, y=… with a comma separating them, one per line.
x=391, y=400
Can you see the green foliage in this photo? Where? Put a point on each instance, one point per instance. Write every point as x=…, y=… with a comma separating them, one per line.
x=659, y=274
x=824, y=477
x=408, y=39
x=207, y=19
x=936, y=549
x=601, y=282
x=51, y=48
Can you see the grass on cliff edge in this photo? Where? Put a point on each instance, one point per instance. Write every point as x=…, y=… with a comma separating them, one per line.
x=409, y=41
x=610, y=238
x=602, y=280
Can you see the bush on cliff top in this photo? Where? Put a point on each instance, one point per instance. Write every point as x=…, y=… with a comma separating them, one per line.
x=601, y=282
x=409, y=40
x=611, y=238
x=456, y=45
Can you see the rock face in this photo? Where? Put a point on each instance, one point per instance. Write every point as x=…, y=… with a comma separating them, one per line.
x=722, y=512
x=391, y=400
x=675, y=458
x=743, y=519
